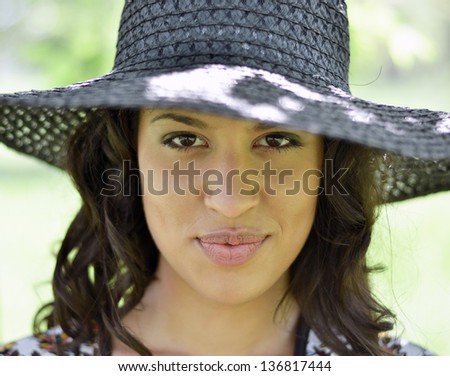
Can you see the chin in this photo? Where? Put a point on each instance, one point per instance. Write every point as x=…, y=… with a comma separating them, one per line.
x=232, y=292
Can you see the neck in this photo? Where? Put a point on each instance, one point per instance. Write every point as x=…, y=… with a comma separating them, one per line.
x=172, y=319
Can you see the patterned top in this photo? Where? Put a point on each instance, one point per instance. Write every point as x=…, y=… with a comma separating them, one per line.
x=45, y=344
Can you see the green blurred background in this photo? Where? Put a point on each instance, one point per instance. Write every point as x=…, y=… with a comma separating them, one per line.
x=400, y=55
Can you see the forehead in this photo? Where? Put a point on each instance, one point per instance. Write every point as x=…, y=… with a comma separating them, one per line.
x=202, y=120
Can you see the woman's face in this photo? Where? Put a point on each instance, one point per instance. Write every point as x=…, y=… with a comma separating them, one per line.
x=229, y=202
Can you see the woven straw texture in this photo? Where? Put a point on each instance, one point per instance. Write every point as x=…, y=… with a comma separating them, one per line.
x=281, y=62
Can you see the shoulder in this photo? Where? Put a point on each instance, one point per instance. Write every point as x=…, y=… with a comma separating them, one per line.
x=399, y=346
x=45, y=344
x=396, y=346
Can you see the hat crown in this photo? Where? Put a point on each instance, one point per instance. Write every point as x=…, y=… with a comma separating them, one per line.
x=304, y=40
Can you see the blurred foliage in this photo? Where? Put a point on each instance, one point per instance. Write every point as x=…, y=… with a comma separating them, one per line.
x=61, y=42
x=400, y=52
x=399, y=36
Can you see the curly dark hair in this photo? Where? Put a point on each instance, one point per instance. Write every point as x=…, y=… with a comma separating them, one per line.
x=108, y=257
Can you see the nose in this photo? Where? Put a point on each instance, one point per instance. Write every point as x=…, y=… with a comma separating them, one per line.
x=232, y=187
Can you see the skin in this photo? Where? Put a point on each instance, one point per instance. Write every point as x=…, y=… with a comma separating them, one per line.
x=197, y=306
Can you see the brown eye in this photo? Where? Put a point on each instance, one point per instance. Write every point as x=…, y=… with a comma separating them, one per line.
x=183, y=141
x=186, y=140
x=275, y=141
x=279, y=141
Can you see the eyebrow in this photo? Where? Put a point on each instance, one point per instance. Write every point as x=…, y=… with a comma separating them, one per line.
x=191, y=122
x=197, y=123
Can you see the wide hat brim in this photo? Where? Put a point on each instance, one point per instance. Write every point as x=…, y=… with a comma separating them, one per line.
x=416, y=141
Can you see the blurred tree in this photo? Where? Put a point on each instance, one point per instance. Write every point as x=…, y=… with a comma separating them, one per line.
x=399, y=46
x=397, y=36
x=61, y=42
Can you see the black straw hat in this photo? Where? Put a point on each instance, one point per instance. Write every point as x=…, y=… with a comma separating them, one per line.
x=280, y=62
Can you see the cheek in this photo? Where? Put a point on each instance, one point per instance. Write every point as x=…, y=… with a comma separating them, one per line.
x=162, y=222
x=155, y=196
x=165, y=213
x=169, y=215
x=297, y=216
x=295, y=213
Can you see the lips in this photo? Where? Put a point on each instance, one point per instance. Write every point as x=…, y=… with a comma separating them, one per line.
x=231, y=247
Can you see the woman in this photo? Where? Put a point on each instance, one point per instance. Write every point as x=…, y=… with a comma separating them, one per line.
x=229, y=182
